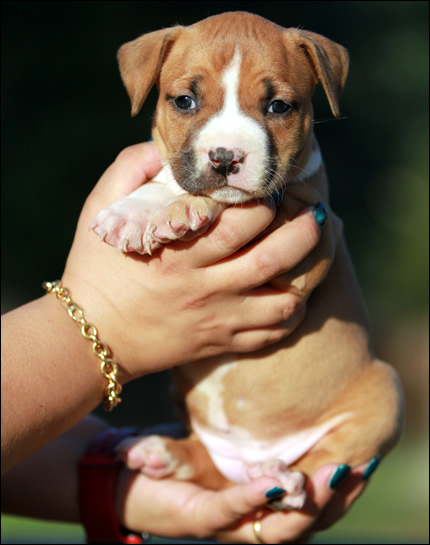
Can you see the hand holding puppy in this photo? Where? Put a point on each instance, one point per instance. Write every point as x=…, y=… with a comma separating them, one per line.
x=182, y=509
x=153, y=313
x=190, y=300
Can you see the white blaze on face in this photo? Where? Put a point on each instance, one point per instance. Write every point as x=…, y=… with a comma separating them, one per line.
x=230, y=128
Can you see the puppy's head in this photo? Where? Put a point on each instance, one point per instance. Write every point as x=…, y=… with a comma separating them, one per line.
x=234, y=115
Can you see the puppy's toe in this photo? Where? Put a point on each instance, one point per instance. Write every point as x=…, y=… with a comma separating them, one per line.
x=291, y=481
x=123, y=225
x=151, y=455
x=184, y=217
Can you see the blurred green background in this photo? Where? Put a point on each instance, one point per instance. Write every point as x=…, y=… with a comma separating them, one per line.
x=66, y=115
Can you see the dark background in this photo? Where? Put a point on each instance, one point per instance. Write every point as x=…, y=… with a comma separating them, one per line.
x=66, y=115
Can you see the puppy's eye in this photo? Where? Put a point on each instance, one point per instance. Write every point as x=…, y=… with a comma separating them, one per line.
x=185, y=103
x=279, y=107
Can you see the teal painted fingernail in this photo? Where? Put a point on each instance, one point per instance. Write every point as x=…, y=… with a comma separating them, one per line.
x=339, y=475
x=275, y=492
x=320, y=214
x=373, y=464
x=277, y=197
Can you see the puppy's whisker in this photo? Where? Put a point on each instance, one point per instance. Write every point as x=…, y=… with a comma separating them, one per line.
x=318, y=121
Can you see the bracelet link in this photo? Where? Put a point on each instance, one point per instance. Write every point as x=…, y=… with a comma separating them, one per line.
x=108, y=367
x=100, y=349
x=93, y=335
x=111, y=366
x=76, y=313
x=63, y=295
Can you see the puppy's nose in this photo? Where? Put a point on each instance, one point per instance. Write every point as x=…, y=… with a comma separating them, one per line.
x=226, y=161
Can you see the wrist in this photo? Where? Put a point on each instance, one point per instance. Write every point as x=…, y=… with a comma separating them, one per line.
x=106, y=318
x=108, y=367
x=56, y=385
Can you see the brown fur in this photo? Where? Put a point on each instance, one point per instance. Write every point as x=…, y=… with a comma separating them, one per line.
x=326, y=366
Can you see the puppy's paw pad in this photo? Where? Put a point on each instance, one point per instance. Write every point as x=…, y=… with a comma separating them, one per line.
x=163, y=230
x=271, y=468
x=291, y=481
x=290, y=502
x=185, y=217
x=152, y=455
x=123, y=225
x=296, y=502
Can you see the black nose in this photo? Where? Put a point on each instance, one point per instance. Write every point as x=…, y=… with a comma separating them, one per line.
x=225, y=161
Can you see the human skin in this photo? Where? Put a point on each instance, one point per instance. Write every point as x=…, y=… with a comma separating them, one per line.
x=168, y=507
x=190, y=301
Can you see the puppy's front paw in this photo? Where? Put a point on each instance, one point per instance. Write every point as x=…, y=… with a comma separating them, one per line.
x=123, y=225
x=291, y=481
x=185, y=218
x=128, y=226
x=155, y=456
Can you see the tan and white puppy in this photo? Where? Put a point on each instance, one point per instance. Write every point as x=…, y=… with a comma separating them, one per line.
x=234, y=122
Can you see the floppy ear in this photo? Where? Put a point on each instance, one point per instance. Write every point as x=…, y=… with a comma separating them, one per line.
x=140, y=63
x=329, y=62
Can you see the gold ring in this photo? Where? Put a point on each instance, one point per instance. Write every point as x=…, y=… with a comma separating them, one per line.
x=257, y=527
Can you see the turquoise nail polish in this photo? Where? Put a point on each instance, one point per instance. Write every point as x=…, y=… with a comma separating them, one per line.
x=339, y=475
x=277, y=197
x=320, y=214
x=373, y=464
x=275, y=492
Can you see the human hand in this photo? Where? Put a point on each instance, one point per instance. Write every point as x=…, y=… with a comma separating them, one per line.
x=192, y=299
x=183, y=509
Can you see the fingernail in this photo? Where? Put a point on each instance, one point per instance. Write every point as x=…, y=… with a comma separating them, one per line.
x=339, y=475
x=320, y=214
x=275, y=492
x=373, y=464
x=277, y=197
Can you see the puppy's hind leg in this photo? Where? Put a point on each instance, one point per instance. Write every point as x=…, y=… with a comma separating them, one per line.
x=374, y=405
x=161, y=457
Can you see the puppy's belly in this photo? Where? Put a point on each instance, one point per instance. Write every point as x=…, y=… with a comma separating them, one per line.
x=235, y=449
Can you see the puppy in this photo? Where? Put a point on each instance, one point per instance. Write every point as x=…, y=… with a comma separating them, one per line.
x=234, y=122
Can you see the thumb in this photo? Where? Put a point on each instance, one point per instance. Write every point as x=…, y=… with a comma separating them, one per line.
x=231, y=505
x=133, y=166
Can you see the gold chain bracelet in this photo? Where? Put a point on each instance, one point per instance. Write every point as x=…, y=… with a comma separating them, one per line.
x=108, y=367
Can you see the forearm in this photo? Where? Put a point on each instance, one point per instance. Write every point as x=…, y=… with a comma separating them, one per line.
x=45, y=484
x=50, y=377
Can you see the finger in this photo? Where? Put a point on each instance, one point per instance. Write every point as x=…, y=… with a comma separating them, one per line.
x=286, y=526
x=264, y=306
x=224, y=508
x=255, y=339
x=293, y=525
x=235, y=227
x=278, y=252
x=133, y=166
x=297, y=526
x=347, y=493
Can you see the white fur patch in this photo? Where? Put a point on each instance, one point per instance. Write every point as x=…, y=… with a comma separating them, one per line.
x=312, y=166
x=230, y=129
x=233, y=452
x=165, y=176
x=233, y=448
x=209, y=380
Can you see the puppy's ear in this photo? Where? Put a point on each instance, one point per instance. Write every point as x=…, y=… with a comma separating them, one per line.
x=329, y=62
x=140, y=63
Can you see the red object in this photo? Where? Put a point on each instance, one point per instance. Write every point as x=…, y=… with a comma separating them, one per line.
x=98, y=473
